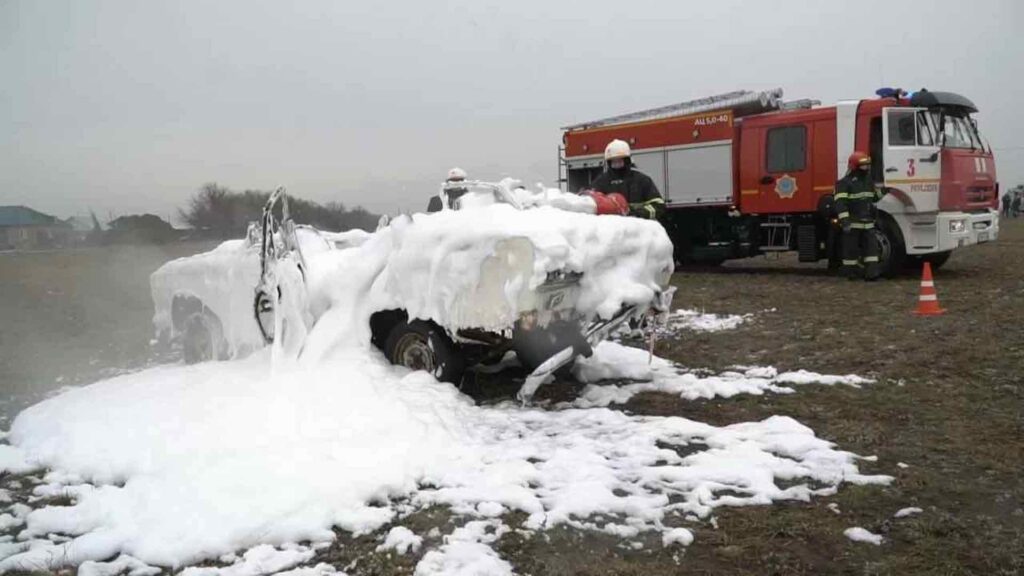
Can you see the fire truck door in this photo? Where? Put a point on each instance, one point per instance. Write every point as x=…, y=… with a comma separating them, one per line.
x=784, y=181
x=911, y=159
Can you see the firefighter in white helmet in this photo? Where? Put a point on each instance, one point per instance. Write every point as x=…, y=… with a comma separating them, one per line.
x=451, y=191
x=639, y=190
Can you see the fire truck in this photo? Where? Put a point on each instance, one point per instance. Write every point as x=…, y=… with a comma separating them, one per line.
x=747, y=173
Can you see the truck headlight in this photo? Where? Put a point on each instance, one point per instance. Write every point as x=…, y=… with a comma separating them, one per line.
x=956, y=226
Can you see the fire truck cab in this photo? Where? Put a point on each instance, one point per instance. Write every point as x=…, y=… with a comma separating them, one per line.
x=745, y=173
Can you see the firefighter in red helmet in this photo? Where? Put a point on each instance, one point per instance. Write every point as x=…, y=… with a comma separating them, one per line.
x=855, y=199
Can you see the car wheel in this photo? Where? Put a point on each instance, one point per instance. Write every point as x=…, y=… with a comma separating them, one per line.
x=203, y=338
x=420, y=345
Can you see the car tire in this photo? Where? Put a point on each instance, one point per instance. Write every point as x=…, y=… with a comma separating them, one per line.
x=203, y=338
x=420, y=345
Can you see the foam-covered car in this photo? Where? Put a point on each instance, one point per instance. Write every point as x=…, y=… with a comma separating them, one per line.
x=500, y=270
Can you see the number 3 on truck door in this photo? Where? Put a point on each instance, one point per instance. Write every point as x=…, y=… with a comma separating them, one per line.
x=911, y=169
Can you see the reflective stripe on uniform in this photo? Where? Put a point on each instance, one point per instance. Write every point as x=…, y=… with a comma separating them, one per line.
x=851, y=262
x=870, y=259
x=862, y=225
x=843, y=215
x=841, y=195
x=862, y=195
x=648, y=206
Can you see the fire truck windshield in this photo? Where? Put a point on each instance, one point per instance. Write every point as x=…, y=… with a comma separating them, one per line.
x=957, y=131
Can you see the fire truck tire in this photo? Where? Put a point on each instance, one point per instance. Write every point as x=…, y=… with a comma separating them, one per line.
x=892, y=251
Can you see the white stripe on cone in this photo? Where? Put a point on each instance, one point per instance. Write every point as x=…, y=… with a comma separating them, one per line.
x=928, y=297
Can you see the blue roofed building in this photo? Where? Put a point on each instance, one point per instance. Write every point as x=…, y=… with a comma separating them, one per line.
x=22, y=228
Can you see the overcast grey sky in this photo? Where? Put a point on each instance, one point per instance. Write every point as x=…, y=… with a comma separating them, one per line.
x=129, y=106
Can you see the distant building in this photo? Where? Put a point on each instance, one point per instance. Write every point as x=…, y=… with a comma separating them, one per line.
x=23, y=228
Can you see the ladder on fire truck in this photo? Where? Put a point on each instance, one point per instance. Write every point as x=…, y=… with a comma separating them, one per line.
x=776, y=234
x=741, y=102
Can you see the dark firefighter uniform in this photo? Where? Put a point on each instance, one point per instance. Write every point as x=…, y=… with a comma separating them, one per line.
x=855, y=198
x=452, y=191
x=642, y=195
x=436, y=204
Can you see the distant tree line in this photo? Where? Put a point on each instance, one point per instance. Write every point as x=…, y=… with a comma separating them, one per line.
x=218, y=211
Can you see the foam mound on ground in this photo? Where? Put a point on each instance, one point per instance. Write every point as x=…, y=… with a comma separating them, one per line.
x=179, y=464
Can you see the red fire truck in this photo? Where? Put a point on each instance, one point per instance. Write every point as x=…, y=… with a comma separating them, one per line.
x=747, y=173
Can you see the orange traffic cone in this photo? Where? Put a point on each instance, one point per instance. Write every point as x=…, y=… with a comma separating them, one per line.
x=928, y=301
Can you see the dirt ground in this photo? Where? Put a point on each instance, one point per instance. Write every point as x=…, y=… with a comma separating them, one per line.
x=70, y=317
x=948, y=402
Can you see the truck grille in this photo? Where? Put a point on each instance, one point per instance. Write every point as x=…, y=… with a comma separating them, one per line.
x=979, y=195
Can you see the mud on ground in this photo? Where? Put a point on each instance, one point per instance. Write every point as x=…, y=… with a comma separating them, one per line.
x=949, y=403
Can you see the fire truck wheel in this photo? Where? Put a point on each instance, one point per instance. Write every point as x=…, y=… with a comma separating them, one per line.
x=892, y=252
x=420, y=345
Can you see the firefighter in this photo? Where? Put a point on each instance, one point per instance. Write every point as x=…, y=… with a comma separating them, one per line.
x=855, y=198
x=453, y=193
x=639, y=190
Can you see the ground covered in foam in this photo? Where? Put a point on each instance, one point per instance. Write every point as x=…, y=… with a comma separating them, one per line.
x=251, y=464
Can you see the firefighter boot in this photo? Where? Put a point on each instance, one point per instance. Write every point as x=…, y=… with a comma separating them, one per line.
x=872, y=266
x=851, y=269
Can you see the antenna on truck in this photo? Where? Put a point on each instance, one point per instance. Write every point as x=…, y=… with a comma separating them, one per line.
x=741, y=101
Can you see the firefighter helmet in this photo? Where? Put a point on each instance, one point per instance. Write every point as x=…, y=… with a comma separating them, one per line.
x=616, y=149
x=858, y=160
x=456, y=175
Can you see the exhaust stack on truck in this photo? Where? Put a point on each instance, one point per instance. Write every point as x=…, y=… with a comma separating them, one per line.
x=746, y=173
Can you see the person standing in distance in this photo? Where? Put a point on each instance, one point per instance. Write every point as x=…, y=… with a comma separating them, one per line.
x=639, y=190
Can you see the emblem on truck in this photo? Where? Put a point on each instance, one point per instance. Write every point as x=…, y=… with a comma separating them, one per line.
x=785, y=186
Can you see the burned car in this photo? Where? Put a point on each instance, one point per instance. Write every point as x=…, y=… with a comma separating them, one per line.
x=505, y=270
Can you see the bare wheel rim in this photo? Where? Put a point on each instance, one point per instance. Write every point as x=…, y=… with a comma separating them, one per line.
x=413, y=351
